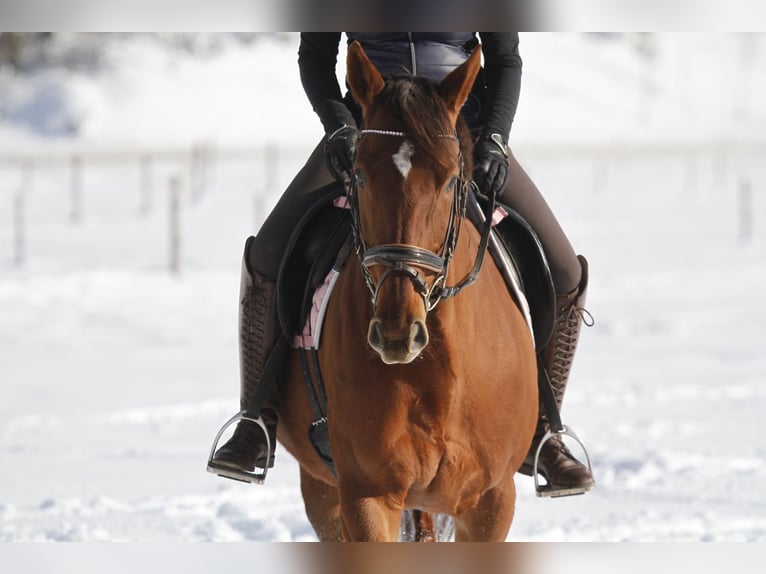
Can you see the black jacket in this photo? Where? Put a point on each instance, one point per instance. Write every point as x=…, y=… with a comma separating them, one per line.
x=495, y=93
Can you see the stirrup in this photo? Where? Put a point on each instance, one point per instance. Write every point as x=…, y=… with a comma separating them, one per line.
x=253, y=477
x=550, y=490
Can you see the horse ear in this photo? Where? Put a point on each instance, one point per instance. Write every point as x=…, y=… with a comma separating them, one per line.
x=457, y=85
x=363, y=78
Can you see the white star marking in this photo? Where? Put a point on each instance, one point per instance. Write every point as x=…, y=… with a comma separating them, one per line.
x=403, y=158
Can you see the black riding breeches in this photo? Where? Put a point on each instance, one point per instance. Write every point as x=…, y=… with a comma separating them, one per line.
x=272, y=239
x=522, y=195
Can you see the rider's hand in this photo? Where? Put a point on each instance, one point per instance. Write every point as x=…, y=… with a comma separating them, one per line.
x=339, y=151
x=490, y=168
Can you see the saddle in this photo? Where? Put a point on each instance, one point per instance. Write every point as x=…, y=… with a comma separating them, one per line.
x=311, y=253
x=518, y=253
x=319, y=248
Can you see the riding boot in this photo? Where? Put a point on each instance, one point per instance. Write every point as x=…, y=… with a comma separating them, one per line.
x=556, y=463
x=247, y=448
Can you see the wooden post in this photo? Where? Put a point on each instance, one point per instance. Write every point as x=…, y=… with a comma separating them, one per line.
x=271, y=179
x=271, y=157
x=193, y=172
x=19, y=219
x=147, y=185
x=27, y=175
x=259, y=209
x=202, y=160
x=211, y=167
x=76, y=211
x=19, y=230
x=745, y=211
x=174, y=194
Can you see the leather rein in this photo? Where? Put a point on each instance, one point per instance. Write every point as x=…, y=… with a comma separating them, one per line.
x=412, y=260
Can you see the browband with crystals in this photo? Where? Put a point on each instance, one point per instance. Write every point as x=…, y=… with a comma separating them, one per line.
x=398, y=134
x=383, y=133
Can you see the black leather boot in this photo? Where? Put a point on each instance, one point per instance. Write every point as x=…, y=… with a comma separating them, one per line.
x=563, y=472
x=247, y=449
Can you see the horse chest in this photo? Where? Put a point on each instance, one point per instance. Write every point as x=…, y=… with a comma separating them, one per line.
x=453, y=456
x=454, y=479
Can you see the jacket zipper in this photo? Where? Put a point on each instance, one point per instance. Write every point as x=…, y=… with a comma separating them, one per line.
x=412, y=55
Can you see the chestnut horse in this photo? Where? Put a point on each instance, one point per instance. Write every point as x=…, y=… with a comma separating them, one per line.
x=431, y=386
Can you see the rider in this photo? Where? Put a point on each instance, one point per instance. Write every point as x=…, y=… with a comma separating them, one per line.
x=490, y=110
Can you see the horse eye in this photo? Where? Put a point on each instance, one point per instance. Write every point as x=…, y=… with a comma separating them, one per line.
x=451, y=185
x=359, y=179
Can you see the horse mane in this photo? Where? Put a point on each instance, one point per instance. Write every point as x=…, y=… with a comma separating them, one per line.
x=417, y=103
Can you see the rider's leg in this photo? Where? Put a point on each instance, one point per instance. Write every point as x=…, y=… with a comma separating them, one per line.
x=258, y=322
x=570, y=277
x=258, y=331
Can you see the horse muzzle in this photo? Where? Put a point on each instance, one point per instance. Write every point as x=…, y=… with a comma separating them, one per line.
x=398, y=346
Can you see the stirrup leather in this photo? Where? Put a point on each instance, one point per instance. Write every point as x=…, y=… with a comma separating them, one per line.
x=253, y=477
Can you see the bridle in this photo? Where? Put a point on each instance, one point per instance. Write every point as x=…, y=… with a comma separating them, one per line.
x=412, y=260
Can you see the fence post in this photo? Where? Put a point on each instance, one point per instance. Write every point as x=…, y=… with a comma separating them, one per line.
x=75, y=215
x=198, y=172
x=27, y=175
x=147, y=187
x=202, y=179
x=193, y=172
x=259, y=209
x=745, y=211
x=174, y=193
x=19, y=209
x=211, y=167
x=19, y=231
x=270, y=182
x=271, y=158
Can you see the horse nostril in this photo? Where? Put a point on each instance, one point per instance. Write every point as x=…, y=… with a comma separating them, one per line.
x=418, y=335
x=375, y=335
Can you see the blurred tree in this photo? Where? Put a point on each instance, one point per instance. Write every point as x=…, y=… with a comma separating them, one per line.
x=22, y=51
x=10, y=48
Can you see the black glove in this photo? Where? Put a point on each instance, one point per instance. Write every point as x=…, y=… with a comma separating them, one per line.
x=339, y=151
x=490, y=168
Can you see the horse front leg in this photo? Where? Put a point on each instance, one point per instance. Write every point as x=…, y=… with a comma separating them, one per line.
x=322, y=507
x=370, y=518
x=490, y=520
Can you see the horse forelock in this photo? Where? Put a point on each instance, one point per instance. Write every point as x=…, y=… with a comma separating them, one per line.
x=418, y=106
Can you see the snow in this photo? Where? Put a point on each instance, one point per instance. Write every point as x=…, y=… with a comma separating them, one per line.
x=115, y=374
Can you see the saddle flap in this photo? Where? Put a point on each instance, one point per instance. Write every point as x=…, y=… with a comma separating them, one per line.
x=526, y=254
x=310, y=256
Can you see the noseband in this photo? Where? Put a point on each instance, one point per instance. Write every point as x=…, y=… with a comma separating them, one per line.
x=411, y=260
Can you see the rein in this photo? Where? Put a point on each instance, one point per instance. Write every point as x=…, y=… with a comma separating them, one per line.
x=411, y=259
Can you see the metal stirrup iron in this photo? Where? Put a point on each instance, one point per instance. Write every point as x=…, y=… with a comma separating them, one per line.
x=233, y=473
x=548, y=490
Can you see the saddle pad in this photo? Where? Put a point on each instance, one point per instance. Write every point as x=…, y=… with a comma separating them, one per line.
x=309, y=337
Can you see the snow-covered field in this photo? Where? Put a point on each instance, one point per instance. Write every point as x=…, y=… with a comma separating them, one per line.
x=115, y=374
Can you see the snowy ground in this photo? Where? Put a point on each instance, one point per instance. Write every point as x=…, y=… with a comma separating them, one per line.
x=115, y=375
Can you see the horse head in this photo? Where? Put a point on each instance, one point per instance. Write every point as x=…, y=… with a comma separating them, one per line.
x=406, y=192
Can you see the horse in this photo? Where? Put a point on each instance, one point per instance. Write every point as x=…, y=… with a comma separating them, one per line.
x=431, y=388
